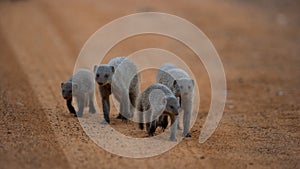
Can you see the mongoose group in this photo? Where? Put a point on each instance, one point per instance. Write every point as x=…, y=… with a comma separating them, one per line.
x=170, y=96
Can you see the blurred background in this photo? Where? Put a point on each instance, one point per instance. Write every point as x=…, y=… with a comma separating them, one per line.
x=258, y=43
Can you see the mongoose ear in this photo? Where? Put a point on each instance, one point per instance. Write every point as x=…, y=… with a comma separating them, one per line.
x=112, y=69
x=95, y=68
x=164, y=101
x=61, y=85
x=175, y=83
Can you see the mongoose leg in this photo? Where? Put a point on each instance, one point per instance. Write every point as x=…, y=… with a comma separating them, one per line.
x=141, y=120
x=173, y=130
x=80, y=106
x=148, y=120
x=106, y=109
x=91, y=103
x=187, y=107
x=70, y=107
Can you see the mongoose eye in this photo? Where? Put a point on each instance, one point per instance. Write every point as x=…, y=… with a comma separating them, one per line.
x=106, y=75
x=63, y=91
x=97, y=75
x=171, y=107
x=70, y=91
x=189, y=87
x=181, y=87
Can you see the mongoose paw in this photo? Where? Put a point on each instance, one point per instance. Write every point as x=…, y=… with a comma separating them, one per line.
x=104, y=122
x=163, y=128
x=72, y=111
x=92, y=110
x=78, y=114
x=124, y=120
x=141, y=126
x=173, y=139
x=120, y=116
x=187, y=135
x=150, y=134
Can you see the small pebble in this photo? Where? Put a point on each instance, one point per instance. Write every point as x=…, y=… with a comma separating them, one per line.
x=280, y=93
x=19, y=104
x=282, y=19
x=230, y=106
x=229, y=101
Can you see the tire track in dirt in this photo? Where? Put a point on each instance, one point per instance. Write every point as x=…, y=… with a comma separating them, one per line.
x=68, y=131
x=42, y=60
x=43, y=69
x=26, y=144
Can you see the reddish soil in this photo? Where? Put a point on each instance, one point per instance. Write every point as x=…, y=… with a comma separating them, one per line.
x=258, y=43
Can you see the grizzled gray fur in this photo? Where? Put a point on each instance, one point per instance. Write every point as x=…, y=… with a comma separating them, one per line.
x=80, y=86
x=183, y=87
x=155, y=103
x=120, y=78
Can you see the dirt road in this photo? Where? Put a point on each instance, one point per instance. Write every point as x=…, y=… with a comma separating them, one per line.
x=257, y=41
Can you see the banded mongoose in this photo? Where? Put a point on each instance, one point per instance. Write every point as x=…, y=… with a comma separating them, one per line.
x=80, y=86
x=157, y=100
x=120, y=78
x=182, y=86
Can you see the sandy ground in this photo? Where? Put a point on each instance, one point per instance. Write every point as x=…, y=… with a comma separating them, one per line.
x=258, y=43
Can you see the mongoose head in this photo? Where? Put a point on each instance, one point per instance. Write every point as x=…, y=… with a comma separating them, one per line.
x=103, y=74
x=186, y=86
x=172, y=106
x=66, y=89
